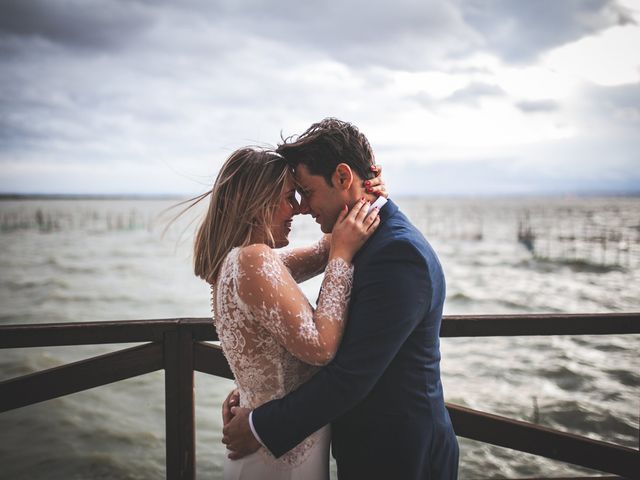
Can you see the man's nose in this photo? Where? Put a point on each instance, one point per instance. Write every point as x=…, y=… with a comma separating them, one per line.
x=304, y=207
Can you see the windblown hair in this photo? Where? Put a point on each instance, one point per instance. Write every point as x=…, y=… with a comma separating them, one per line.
x=244, y=198
x=325, y=145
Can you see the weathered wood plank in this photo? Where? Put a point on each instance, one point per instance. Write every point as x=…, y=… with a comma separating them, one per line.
x=78, y=376
x=567, y=478
x=210, y=359
x=546, y=442
x=86, y=333
x=174, y=349
x=540, y=324
x=201, y=328
x=179, y=405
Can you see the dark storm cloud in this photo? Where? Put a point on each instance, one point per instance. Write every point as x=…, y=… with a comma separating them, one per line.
x=519, y=31
x=473, y=92
x=70, y=23
x=410, y=34
x=469, y=95
x=534, y=106
x=617, y=106
x=620, y=96
x=95, y=82
x=425, y=100
x=415, y=35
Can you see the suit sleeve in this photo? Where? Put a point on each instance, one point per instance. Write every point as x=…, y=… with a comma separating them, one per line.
x=391, y=298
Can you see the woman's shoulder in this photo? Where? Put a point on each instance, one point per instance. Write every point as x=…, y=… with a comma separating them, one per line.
x=254, y=251
x=259, y=269
x=252, y=257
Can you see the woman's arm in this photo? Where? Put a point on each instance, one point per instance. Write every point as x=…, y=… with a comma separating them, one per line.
x=306, y=262
x=272, y=295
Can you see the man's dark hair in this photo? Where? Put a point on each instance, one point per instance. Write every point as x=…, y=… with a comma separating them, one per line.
x=326, y=144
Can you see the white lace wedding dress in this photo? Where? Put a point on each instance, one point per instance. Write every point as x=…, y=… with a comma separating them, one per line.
x=274, y=341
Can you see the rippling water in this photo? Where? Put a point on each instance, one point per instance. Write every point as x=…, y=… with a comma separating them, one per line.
x=95, y=260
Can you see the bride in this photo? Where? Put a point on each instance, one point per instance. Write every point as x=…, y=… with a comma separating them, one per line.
x=271, y=336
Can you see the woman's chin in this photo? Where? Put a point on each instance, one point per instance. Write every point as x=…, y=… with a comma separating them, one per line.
x=282, y=242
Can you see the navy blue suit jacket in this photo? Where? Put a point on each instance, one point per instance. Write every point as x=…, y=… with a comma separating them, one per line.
x=382, y=391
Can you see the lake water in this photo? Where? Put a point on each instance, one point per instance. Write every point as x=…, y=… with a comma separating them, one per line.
x=92, y=260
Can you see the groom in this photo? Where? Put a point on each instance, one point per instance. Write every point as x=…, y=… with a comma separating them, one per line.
x=382, y=392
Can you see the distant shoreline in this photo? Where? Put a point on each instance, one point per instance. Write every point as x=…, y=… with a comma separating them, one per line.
x=83, y=196
x=461, y=196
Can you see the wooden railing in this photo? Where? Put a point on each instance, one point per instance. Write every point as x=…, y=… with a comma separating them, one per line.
x=177, y=346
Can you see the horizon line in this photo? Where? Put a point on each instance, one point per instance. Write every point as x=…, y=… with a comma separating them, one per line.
x=176, y=196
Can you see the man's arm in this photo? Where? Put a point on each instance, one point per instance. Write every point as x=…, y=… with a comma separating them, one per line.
x=392, y=297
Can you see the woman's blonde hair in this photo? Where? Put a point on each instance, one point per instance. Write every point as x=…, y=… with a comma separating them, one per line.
x=244, y=198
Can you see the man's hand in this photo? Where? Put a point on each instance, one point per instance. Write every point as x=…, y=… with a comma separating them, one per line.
x=237, y=434
x=232, y=400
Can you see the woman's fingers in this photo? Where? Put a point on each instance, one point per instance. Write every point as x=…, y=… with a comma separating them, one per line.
x=361, y=212
x=376, y=185
x=352, y=230
x=342, y=215
x=371, y=218
x=355, y=210
x=379, y=190
x=364, y=211
x=374, y=224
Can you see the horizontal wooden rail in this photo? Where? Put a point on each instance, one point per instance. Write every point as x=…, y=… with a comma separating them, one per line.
x=134, y=331
x=599, y=477
x=179, y=347
x=94, y=333
x=540, y=324
x=78, y=376
x=209, y=359
x=546, y=442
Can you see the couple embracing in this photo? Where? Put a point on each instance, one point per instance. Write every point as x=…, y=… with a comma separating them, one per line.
x=360, y=371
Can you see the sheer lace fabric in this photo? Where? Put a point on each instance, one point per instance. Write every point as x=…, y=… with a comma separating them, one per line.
x=270, y=334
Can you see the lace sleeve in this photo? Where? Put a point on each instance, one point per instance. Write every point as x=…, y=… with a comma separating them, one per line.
x=273, y=297
x=307, y=262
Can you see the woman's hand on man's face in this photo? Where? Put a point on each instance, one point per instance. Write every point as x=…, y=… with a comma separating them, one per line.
x=376, y=185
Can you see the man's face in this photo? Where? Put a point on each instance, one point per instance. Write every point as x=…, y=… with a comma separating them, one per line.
x=321, y=201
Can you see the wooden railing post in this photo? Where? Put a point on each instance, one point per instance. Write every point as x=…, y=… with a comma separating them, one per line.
x=179, y=404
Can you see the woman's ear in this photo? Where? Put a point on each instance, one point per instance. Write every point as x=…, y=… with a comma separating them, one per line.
x=342, y=177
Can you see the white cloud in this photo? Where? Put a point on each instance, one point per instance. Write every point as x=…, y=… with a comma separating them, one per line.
x=609, y=58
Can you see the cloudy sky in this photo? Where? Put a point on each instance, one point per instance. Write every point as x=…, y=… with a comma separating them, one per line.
x=456, y=96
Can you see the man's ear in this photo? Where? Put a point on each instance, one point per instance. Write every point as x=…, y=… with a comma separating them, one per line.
x=342, y=176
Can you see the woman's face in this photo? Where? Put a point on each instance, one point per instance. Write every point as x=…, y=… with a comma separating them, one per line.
x=287, y=208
